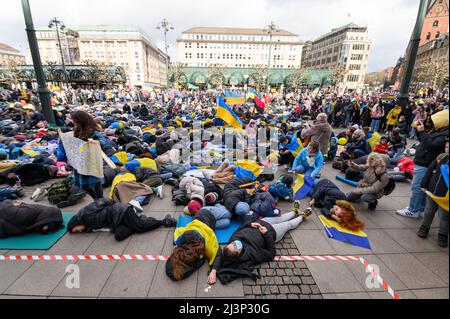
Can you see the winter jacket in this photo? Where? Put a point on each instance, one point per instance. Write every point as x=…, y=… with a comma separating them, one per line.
x=374, y=179
x=301, y=159
x=433, y=180
x=358, y=145
x=397, y=142
x=233, y=194
x=142, y=163
x=432, y=143
x=408, y=165
x=193, y=187
x=381, y=148
x=402, y=127
x=103, y=213
x=281, y=190
x=393, y=115
x=321, y=132
x=263, y=205
x=148, y=177
x=22, y=219
x=325, y=195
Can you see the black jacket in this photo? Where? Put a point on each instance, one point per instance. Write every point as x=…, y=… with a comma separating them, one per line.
x=433, y=180
x=357, y=145
x=398, y=142
x=18, y=220
x=325, y=194
x=431, y=145
x=233, y=194
x=103, y=213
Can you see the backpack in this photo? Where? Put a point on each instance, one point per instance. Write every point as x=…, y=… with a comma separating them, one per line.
x=177, y=170
x=389, y=188
x=59, y=191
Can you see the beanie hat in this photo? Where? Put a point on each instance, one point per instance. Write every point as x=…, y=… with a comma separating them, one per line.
x=211, y=198
x=288, y=180
x=194, y=206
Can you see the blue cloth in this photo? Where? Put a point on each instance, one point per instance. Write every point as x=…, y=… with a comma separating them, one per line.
x=241, y=209
x=222, y=215
x=280, y=190
x=301, y=164
x=418, y=198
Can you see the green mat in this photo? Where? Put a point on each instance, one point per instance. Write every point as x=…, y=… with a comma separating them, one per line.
x=36, y=241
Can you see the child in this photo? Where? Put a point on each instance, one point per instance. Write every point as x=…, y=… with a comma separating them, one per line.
x=282, y=189
x=332, y=151
x=382, y=146
x=434, y=182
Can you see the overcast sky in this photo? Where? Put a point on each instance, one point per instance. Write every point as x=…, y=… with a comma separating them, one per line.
x=390, y=22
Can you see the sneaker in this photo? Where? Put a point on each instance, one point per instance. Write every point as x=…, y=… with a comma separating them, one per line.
x=423, y=232
x=307, y=212
x=373, y=206
x=169, y=221
x=408, y=213
x=36, y=193
x=297, y=207
x=442, y=240
x=42, y=194
x=137, y=206
x=159, y=191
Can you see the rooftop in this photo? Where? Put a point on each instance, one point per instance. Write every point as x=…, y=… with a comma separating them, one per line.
x=235, y=31
x=343, y=28
x=6, y=47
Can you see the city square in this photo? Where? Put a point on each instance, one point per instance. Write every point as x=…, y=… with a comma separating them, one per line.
x=231, y=160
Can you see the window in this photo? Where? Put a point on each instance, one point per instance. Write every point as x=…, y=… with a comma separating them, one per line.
x=428, y=35
x=436, y=23
x=136, y=55
x=138, y=77
x=356, y=57
x=438, y=34
x=352, y=78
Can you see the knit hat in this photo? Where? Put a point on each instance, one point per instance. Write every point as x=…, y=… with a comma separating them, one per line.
x=288, y=180
x=194, y=206
x=322, y=117
x=211, y=198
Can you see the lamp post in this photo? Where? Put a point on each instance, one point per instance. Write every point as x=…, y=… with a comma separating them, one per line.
x=59, y=25
x=44, y=93
x=270, y=30
x=403, y=96
x=166, y=26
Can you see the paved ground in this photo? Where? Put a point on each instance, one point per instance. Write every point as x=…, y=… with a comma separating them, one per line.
x=415, y=268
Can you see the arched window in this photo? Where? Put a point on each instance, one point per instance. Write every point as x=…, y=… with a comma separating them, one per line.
x=428, y=35
x=436, y=23
x=438, y=34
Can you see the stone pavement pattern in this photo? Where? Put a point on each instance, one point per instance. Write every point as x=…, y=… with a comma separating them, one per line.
x=415, y=268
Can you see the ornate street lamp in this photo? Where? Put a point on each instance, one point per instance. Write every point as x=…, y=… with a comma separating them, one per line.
x=59, y=25
x=270, y=30
x=166, y=26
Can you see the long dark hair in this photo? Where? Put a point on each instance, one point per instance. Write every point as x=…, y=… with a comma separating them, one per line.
x=85, y=125
x=184, y=256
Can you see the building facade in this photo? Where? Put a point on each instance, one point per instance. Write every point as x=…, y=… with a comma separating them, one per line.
x=239, y=48
x=128, y=47
x=346, y=47
x=436, y=21
x=9, y=54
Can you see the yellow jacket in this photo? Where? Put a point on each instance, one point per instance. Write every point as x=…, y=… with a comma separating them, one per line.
x=127, y=177
x=211, y=243
x=393, y=115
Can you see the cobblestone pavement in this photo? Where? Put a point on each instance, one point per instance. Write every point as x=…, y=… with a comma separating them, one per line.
x=283, y=280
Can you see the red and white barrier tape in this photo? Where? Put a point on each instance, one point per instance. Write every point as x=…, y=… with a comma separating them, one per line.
x=379, y=279
x=157, y=258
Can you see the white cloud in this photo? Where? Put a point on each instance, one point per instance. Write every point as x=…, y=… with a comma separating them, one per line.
x=390, y=22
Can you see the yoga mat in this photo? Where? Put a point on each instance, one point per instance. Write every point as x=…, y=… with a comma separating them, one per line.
x=36, y=241
x=223, y=235
x=347, y=181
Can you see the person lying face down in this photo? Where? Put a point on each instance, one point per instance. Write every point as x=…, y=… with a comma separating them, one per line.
x=18, y=219
x=121, y=219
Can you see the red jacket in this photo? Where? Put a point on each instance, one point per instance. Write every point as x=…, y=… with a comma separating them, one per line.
x=408, y=165
x=380, y=148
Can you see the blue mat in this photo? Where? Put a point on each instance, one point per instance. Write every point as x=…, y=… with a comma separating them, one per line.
x=223, y=235
x=347, y=181
x=36, y=241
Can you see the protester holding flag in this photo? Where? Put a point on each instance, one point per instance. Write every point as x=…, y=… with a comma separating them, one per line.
x=435, y=186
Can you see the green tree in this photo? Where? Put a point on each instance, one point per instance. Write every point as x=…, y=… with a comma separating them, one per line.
x=298, y=78
x=337, y=75
x=257, y=77
x=98, y=72
x=217, y=74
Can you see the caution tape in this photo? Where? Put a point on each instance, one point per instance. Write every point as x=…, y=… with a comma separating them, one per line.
x=155, y=258
x=379, y=279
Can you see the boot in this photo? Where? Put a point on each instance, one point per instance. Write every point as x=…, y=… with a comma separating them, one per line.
x=373, y=206
x=169, y=221
x=442, y=240
x=423, y=232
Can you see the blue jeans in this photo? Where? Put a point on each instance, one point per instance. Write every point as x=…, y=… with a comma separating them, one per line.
x=418, y=198
x=221, y=214
x=301, y=169
x=347, y=119
x=396, y=155
x=375, y=125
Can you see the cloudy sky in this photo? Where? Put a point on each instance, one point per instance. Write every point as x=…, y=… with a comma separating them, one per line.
x=390, y=22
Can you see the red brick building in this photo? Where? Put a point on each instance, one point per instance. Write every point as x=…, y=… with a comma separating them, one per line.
x=436, y=21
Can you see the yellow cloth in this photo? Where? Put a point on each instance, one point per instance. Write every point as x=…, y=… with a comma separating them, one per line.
x=334, y=224
x=393, y=115
x=127, y=177
x=440, y=119
x=6, y=166
x=443, y=202
x=250, y=166
x=211, y=243
x=148, y=163
x=30, y=153
x=376, y=137
x=122, y=157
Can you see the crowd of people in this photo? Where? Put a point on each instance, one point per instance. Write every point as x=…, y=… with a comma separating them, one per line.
x=363, y=136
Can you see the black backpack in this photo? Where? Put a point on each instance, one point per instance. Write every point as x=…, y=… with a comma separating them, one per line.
x=389, y=188
x=59, y=191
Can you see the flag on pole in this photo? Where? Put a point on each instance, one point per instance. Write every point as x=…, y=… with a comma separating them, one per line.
x=225, y=113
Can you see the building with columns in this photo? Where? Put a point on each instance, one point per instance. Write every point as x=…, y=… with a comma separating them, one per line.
x=238, y=48
x=131, y=48
x=345, y=47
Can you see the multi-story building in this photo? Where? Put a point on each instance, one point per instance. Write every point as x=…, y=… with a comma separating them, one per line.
x=128, y=47
x=8, y=54
x=238, y=48
x=347, y=47
x=436, y=21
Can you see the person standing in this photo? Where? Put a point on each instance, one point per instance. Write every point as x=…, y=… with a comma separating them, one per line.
x=392, y=117
x=377, y=114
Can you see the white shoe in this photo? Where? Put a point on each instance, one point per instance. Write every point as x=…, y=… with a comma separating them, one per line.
x=408, y=213
x=137, y=206
x=36, y=193
x=403, y=210
x=159, y=192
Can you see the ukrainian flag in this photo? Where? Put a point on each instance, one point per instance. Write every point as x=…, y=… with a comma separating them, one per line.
x=335, y=231
x=247, y=169
x=253, y=95
x=295, y=146
x=303, y=186
x=232, y=98
x=443, y=202
x=225, y=113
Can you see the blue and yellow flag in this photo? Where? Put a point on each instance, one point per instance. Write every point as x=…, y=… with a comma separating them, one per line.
x=233, y=98
x=443, y=202
x=225, y=113
x=247, y=169
x=303, y=186
x=295, y=146
x=335, y=231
